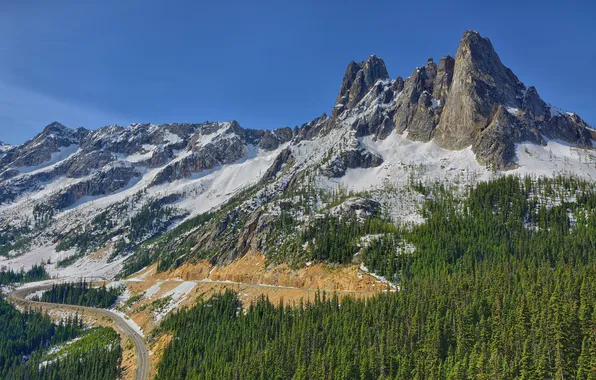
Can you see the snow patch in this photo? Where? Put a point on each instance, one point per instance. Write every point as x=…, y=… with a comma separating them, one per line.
x=513, y=111
x=177, y=296
x=56, y=157
x=380, y=278
x=153, y=289
x=129, y=322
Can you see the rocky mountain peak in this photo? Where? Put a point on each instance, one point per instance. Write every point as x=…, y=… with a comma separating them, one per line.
x=358, y=79
x=470, y=100
x=59, y=131
x=480, y=81
x=54, y=138
x=373, y=69
x=55, y=127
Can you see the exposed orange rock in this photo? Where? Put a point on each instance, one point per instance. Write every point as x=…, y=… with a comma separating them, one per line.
x=251, y=278
x=251, y=269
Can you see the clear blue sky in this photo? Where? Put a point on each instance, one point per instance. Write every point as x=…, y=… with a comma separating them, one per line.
x=265, y=64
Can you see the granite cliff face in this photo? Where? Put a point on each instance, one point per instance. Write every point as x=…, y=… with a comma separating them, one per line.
x=480, y=81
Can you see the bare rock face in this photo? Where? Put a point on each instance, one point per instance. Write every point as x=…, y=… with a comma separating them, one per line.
x=102, y=183
x=308, y=130
x=351, y=159
x=282, y=159
x=271, y=140
x=51, y=140
x=83, y=165
x=424, y=119
x=359, y=78
x=495, y=145
x=568, y=127
x=216, y=144
x=416, y=110
x=444, y=78
x=209, y=156
x=374, y=114
x=480, y=81
x=533, y=105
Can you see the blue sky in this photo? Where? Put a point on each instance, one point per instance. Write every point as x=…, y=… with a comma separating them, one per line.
x=265, y=64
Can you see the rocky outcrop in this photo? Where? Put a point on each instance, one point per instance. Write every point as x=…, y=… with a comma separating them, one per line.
x=83, y=164
x=495, y=145
x=424, y=119
x=308, y=131
x=416, y=110
x=374, y=114
x=351, y=159
x=358, y=79
x=285, y=157
x=271, y=140
x=217, y=144
x=102, y=183
x=160, y=156
x=444, y=79
x=134, y=139
x=568, y=127
x=357, y=206
x=202, y=158
x=533, y=106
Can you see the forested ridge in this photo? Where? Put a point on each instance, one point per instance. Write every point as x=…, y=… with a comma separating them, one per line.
x=28, y=338
x=499, y=284
x=81, y=293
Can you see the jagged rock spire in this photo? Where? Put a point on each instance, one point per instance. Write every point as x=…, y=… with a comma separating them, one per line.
x=480, y=81
x=472, y=100
x=359, y=78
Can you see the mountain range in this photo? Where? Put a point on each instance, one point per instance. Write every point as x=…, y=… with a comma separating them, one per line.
x=176, y=192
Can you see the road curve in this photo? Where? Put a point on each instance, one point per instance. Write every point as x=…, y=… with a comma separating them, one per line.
x=142, y=352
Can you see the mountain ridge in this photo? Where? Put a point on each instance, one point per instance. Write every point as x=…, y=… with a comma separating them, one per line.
x=70, y=192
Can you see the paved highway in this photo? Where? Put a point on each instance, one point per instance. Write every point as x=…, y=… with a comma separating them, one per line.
x=142, y=353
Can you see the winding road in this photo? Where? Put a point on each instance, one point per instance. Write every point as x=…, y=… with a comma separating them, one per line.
x=142, y=373
x=143, y=365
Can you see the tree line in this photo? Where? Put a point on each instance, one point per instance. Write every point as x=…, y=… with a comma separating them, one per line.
x=36, y=273
x=81, y=293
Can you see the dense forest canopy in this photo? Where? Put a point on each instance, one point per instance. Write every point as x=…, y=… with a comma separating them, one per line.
x=28, y=338
x=81, y=293
x=499, y=284
x=36, y=273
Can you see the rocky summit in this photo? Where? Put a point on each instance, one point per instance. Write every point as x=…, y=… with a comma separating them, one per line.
x=71, y=192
